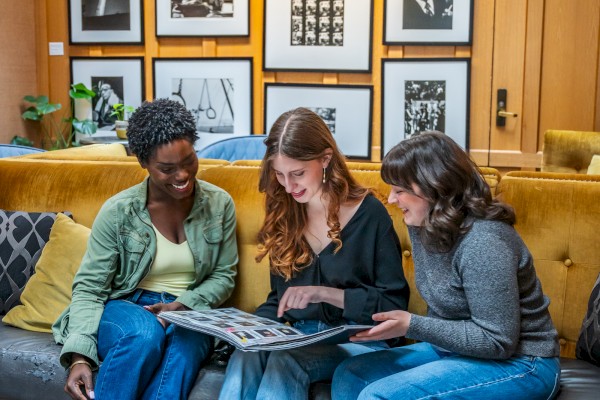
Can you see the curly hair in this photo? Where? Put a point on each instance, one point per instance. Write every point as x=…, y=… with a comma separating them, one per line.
x=156, y=123
x=302, y=135
x=451, y=183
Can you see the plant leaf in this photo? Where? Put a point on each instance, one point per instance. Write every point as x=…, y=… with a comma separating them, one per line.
x=80, y=91
x=87, y=126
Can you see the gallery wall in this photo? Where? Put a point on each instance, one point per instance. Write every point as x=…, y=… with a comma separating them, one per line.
x=544, y=51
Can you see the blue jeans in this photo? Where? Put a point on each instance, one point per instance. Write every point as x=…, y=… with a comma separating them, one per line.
x=141, y=359
x=420, y=371
x=287, y=374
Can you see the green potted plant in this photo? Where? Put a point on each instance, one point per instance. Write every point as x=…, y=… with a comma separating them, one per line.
x=81, y=100
x=121, y=112
x=59, y=134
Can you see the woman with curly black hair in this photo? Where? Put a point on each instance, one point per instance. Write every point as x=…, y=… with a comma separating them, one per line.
x=334, y=258
x=487, y=333
x=165, y=244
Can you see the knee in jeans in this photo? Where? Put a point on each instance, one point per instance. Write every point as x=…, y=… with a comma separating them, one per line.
x=149, y=340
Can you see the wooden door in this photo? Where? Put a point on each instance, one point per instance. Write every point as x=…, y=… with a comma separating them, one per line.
x=545, y=53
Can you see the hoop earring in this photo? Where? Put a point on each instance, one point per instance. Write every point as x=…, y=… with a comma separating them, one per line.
x=324, y=176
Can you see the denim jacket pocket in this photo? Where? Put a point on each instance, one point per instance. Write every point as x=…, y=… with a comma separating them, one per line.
x=131, y=242
x=213, y=233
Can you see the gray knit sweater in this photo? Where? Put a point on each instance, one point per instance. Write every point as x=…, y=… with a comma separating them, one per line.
x=484, y=299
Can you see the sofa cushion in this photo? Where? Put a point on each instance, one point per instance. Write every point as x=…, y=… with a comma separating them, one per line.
x=48, y=292
x=588, y=344
x=23, y=235
x=30, y=365
x=578, y=380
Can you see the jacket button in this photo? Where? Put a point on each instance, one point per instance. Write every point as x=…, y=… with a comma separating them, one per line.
x=562, y=341
x=406, y=253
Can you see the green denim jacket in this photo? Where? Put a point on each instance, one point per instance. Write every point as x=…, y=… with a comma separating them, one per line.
x=121, y=249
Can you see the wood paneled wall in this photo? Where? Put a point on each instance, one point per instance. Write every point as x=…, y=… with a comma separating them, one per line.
x=545, y=52
x=17, y=66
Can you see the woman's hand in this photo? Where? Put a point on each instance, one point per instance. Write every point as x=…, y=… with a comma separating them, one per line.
x=159, y=307
x=395, y=324
x=299, y=297
x=79, y=380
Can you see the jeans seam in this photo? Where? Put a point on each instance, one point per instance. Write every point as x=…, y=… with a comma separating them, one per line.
x=167, y=365
x=107, y=367
x=509, y=378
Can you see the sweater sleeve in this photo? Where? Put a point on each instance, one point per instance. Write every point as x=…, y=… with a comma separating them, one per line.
x=490, y=284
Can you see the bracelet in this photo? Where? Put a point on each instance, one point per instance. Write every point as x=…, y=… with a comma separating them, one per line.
x=80, y=362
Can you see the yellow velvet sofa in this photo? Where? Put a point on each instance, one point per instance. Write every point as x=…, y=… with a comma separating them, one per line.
x=555, y=229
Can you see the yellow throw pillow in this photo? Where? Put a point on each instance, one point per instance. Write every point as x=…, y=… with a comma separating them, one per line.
x=594, y=168
x=48, y=291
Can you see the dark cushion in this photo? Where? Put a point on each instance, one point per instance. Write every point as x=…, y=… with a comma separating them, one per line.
x=578, y=380
x=23, y=235
x=588, y=344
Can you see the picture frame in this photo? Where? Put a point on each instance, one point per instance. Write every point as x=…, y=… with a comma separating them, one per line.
x=115, y=80
x=318, y=35
x=346, y=109
x=406, y=22
x=221, y=18
x=424, y=94
x=217, y=91
x=117, y=22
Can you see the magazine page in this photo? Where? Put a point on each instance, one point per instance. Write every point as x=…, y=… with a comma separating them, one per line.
x=251, y=333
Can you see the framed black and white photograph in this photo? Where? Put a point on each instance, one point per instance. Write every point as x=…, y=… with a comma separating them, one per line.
x=424, y=95
x=318, y=35
x=428, y=22
x=106, y=21
x=202, y=18
x=217, y=91
x=115, y=80
x=345, y=109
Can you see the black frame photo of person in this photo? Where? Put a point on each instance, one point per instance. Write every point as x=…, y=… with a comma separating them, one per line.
x=117, y=22
x=120, y=80
x=345, y=109
x=201, y=18
x=424, y=94
x=428, y=22
x=318, y=35
x=217, y=91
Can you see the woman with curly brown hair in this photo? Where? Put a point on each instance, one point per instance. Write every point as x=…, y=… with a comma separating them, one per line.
x=334, y=258
x=487, y=333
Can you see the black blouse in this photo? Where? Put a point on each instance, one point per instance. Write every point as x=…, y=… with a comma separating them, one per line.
x=368, y=267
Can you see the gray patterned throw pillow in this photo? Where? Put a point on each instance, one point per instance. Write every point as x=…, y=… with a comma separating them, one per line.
x=588, y=344
x=22, y=238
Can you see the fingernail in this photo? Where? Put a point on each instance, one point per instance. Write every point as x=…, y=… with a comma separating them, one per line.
x=92, y=395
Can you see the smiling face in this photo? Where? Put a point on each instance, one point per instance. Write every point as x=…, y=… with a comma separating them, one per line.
x=173, y=169
x=413, y=205
x=301, y=179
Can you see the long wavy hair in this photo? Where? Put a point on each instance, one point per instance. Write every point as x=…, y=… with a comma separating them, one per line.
x=450, y=181
x=302, y=135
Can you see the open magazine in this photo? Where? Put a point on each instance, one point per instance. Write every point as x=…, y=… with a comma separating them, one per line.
x=249, y=332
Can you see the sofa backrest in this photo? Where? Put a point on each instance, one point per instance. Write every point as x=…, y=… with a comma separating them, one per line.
x=558, y=217
x=569, y=151
x=78, y=186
